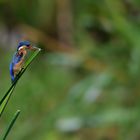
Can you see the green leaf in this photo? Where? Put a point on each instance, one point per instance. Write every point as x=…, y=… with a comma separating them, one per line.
x=11, y=124
x=8, y=94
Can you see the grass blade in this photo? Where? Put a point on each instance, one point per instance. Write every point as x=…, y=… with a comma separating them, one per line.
x=5, y=100
x=7, y=95
x=11, y=124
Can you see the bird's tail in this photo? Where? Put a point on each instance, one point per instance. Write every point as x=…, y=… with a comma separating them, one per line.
x=12, y=72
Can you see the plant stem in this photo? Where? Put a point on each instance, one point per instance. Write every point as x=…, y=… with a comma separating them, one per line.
x=11, y=124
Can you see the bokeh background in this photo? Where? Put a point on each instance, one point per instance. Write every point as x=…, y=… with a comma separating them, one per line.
x=85, y=84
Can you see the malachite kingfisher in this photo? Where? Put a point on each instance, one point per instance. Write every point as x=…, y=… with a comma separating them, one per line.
x=18, y=59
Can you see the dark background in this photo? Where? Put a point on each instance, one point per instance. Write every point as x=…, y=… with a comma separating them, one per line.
x=85, y=84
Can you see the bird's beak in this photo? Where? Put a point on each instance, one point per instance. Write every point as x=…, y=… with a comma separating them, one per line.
x=34, y=48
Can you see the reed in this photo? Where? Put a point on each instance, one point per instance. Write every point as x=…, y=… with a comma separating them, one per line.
x=5, y=99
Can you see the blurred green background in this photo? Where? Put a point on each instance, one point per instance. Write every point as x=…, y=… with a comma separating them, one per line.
x=85, y=84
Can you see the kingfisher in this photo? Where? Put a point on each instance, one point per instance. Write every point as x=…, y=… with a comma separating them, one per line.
x=18, y=59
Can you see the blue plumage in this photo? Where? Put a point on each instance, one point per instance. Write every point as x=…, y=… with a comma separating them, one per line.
x=23, y=43
x=17, y=58
x=12, y=72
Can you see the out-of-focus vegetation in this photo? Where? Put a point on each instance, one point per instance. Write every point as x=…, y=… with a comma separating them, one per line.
x=86, y=83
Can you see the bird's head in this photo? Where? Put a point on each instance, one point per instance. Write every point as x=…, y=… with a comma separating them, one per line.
x=23, y=45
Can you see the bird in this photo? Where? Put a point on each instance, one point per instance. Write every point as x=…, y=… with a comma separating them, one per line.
x=18, y=58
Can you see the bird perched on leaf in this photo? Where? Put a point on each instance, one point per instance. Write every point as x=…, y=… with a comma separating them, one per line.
x=18, y=59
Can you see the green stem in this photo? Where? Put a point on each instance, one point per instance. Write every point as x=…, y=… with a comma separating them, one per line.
x=11, y=124
x=7, y=95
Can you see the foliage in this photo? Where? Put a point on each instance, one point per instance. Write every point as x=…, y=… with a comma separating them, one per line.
x=86, y=83
x=7, y=95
